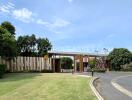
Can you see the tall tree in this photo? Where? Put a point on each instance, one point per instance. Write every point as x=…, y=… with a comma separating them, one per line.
x=32, y=43
x=29, y=45
x=44, y=46
x=9, y=27
x=118, y=57
x=8, y=47
x=26, y=45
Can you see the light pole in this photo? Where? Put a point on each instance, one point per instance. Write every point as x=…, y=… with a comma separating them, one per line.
x=105, y=50
x=97, y=51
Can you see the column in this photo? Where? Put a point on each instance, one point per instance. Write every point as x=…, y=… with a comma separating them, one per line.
x=75, y=67
x=81, y=63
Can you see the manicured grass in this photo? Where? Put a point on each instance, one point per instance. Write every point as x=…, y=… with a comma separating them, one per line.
x=38, y=86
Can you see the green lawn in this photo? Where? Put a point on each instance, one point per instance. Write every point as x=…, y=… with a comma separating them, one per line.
x=33, y=86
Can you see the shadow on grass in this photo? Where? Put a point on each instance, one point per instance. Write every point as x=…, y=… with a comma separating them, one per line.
x=18, y=76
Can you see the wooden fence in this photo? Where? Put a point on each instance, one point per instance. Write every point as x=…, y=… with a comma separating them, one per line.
x=27, y=64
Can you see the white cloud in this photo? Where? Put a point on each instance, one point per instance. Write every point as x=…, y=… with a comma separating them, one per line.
x=23, y=14
x=58, y=23
x=70, y=1
x=7, y=8
x=2, y=9
x=41, y=22
x=10, y=4
x=55, y=27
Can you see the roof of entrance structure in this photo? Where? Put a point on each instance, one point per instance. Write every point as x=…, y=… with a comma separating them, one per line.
x=76, y=53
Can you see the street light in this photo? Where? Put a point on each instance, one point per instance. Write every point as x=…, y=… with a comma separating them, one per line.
x=105, y=50
x=97, y=51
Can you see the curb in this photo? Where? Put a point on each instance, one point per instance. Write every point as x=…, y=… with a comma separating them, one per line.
x=95, y=90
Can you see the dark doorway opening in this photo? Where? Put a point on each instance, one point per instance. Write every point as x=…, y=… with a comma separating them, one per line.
x=57, y=65
x=85, y=65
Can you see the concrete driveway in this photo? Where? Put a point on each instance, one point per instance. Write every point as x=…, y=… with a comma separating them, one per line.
x=107, y=90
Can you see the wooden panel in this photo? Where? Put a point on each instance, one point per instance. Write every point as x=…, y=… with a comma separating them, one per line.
x=27, y=63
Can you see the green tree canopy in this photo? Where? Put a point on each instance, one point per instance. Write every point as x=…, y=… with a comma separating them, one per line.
x=31, y=46
x=66, y=63
x=9, y=27
x=8, y=47
x=118, y=57
x=92, y=63
x=26, y=45
x=43, y=46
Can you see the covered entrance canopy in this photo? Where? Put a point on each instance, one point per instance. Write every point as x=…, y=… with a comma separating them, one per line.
x=77, y=57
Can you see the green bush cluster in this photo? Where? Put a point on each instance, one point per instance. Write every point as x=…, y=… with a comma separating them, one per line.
x=2, y=70
x=119, y=57
x=66, y=63
x=47, y=71
x=99, y=70
x=43, y=71
x=127, y=68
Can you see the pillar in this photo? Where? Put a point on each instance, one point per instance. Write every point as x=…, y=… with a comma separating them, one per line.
x=75, y=67
x=81, y=63
x=53, y=63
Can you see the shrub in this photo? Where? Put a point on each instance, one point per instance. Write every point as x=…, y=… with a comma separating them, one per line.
x=66, y=63
x=118, y=57
x=2, y=70
x=99, y=70
x=127, y=68
x=32, y=71
x=47, y=71
x=92, y=63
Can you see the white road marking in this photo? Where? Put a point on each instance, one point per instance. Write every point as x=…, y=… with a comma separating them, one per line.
x=121, y=88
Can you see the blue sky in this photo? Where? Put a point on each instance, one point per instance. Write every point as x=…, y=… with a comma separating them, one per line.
x=73, y=25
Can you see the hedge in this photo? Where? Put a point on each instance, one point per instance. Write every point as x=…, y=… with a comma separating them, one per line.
x=99, y=70
x=2, y=70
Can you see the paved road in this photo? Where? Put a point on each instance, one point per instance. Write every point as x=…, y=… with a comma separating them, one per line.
x=105, y=88
x=126, y=82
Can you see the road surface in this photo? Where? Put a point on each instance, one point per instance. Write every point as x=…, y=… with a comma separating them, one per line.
x=106, y=89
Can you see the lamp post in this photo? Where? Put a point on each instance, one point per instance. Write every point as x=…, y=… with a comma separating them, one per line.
x=105, y=50
x=97, y=51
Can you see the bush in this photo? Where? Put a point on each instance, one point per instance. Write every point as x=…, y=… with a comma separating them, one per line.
x=47, y=71
x=92, y=63
x=99, y=70
x=32, y=71
x=66, y=63
x=2, y=70
x=127, y=68
x=43, y=71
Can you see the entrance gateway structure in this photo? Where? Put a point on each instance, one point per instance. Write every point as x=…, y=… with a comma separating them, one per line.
x=80, y=60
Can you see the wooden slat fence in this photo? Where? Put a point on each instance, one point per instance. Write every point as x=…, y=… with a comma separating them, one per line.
x=27, y=64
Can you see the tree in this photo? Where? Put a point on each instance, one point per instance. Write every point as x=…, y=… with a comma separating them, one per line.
x=9, y=27
x=118, y=57
x=26, y=45
x=66, y=63
x=92, y=63
x=43, y=46
x=8, y=47
x=30, y=46
x=32, y=42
